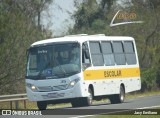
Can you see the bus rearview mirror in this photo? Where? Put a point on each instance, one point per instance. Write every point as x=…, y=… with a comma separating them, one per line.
x=87, y=54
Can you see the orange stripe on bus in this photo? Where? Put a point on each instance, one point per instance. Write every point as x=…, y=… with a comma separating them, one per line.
x=111, y=73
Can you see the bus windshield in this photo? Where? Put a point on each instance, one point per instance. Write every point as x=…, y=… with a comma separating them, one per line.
x=53, y=61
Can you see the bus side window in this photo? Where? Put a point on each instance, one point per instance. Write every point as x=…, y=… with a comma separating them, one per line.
x=85, y=56
x=130, y=53
x=108, y=55
x=119, y=53
x=96, y=53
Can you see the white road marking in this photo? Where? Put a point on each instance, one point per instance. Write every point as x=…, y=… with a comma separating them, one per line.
x=82, y=116
x=149, y=107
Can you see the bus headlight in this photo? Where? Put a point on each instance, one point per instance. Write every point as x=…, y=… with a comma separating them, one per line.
x=32, y=87
x=73, y=83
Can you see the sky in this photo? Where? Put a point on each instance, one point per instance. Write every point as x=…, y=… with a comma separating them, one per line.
x=57, y=18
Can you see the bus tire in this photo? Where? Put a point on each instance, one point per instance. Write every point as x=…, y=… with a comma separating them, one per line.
x=42, y=105
x=118, y=98
x=88, y=100
x=121, y=95
x=75, y=103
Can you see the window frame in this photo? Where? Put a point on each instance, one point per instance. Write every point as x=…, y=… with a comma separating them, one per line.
x=84, y=53
x=100, y=53
x=133, y=47
x=106, y=53
x=122, y=53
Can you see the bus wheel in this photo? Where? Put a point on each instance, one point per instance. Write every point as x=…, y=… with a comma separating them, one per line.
x=88, y=100
x=118, y=98
x=42, y=105
x=121, y=95
x=75, y=103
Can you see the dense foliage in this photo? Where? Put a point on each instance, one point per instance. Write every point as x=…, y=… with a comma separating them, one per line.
x=19, y=27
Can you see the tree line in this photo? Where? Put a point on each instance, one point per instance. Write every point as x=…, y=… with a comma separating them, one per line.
x=20, y=26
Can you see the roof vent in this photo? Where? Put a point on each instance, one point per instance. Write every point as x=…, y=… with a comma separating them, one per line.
x=98, y=35
x=77, y=35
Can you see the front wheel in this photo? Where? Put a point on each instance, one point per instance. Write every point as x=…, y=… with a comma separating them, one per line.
x=121, y=95
x=88, y=100
x=42, y=105
x=85, y=101
x=118, y=98
x=76, y=103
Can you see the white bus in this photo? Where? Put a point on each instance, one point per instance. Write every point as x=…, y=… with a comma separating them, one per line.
x=80, y=68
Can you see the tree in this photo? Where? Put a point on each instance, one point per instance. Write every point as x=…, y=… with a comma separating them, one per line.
x=89, y=13
x=18, y=30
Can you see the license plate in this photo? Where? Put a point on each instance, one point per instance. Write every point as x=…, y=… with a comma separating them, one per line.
x=52, y=95
x=55, y=95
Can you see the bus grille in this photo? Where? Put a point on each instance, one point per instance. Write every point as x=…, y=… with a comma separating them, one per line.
x=53, y=88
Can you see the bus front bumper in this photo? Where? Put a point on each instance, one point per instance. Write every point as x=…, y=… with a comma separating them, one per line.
x=54, y=95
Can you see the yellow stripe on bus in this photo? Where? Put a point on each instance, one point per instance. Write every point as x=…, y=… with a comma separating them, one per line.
x=111, y=73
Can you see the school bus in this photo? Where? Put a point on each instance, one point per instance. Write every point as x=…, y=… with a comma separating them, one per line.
x=80, y=68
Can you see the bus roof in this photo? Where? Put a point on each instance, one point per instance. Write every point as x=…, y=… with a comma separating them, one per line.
x=82, y=38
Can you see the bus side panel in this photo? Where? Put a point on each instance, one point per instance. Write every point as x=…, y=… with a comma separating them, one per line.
x=108, y=81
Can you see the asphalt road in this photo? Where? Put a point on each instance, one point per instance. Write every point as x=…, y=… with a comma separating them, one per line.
x=150, y=102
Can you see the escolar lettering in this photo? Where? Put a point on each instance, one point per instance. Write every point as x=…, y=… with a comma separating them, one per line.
x=112, y=73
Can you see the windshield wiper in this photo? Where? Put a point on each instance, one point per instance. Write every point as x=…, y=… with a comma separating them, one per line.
x=60, y=67
x=72, y=73
x=40, y=75
x=31, y=77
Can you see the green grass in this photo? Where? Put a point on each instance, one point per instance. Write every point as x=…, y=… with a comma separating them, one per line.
x=137, y=95
x=33, y=105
